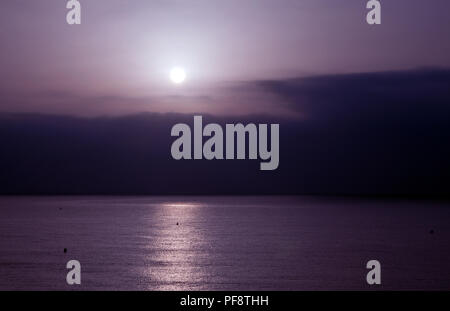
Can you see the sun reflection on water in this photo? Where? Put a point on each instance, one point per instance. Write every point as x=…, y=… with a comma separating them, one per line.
x=182, y=205
x=178, y=250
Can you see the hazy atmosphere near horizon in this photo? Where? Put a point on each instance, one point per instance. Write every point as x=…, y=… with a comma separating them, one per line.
x=363, y=171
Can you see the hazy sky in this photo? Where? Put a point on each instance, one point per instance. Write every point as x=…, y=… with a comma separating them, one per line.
x=118, y=60
x=367, y=120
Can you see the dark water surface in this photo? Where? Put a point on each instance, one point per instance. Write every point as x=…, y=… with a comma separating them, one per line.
x=222, y=243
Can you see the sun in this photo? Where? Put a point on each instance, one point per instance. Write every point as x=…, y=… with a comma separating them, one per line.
x=177, y=75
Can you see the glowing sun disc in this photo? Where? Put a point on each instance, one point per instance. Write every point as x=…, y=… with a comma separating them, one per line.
x=177, y=75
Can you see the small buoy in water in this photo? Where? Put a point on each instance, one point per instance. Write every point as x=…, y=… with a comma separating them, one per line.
x=65, y=250
x=431, y=231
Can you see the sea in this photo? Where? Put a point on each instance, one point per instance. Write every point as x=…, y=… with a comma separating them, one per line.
x=238, y=243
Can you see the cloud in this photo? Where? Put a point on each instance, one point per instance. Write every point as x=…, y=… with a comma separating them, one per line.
x=373, y=133
x=367, y=95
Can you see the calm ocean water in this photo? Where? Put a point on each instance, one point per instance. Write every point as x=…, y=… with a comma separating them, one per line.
x=222, y=243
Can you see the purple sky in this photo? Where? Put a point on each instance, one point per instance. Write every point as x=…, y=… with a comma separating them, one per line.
x=118, y=60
